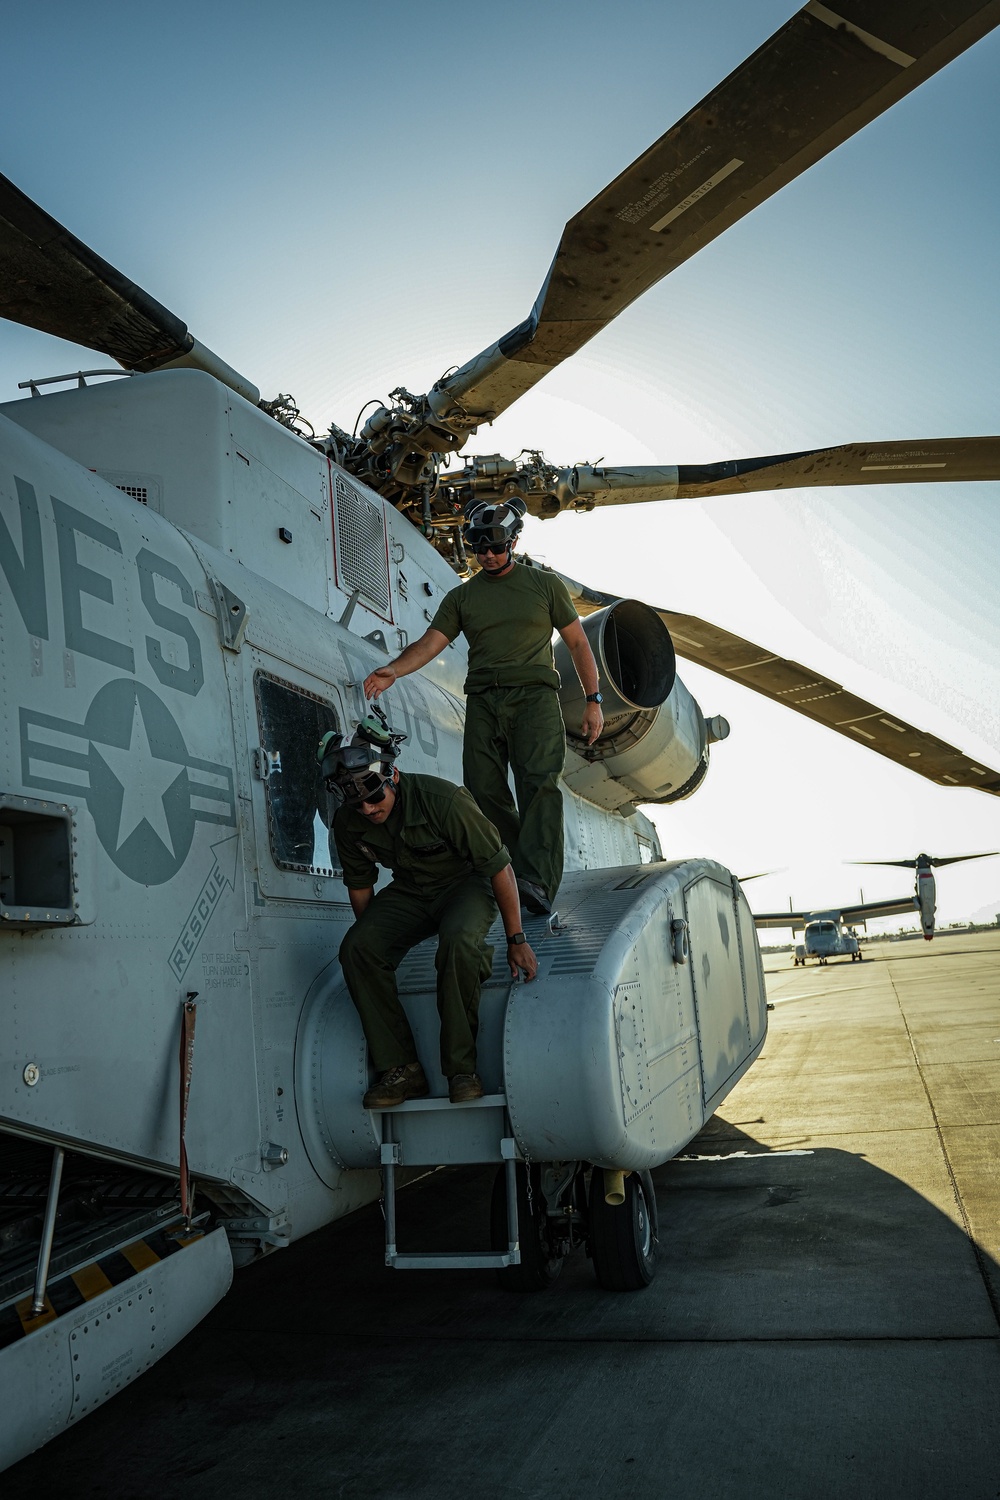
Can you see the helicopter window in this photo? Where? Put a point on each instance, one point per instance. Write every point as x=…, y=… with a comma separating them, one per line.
x=299, y=808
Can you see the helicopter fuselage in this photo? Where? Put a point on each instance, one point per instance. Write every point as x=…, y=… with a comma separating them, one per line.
x=191, y=595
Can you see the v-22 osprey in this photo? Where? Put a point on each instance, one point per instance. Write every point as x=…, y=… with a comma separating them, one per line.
x=830, y=934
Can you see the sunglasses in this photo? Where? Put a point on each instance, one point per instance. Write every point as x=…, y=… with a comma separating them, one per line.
x=496, y=548
x=355, y=795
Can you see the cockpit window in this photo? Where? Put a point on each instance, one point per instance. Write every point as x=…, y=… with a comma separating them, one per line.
x=299, y=808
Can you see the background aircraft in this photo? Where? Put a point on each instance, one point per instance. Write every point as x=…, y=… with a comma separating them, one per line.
x=96, y=740
x=827, y=934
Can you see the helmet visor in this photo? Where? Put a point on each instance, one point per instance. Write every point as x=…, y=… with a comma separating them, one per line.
x=481, y=537
x=355, y=758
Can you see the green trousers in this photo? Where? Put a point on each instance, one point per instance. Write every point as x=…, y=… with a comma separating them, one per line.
x=395, y=921
x=519, y=728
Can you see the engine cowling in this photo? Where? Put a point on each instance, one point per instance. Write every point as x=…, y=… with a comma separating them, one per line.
x=654, y=746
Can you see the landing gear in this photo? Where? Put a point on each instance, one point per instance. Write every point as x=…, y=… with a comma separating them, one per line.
x=623, y=1237
x=541, y=1251
x=555, y=1213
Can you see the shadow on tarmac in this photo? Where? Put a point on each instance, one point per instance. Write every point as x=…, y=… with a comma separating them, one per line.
x=816, y=1328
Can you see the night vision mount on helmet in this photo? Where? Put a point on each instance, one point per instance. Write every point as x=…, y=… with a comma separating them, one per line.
x=359, y=766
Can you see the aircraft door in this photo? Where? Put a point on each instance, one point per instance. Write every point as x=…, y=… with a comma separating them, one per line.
x=717, y=976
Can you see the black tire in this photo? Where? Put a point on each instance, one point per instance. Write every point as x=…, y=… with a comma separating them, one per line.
x=539, y=1265
x=623, y=1238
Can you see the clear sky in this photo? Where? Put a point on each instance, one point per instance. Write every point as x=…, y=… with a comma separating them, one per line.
x=340, y=199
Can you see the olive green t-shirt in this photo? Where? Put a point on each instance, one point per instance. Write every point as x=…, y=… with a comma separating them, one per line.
x=434, y=836
x=508, y=623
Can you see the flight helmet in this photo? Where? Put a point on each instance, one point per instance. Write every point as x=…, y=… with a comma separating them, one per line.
x=494, y=525
x=359, y=766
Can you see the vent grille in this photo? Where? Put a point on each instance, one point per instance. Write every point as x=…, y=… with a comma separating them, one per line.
x=361, y=549
x=137, y=491
x=418, y=972
x=143, y=488
x=579, y=946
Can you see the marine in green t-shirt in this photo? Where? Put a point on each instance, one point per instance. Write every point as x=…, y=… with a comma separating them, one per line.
x=513, y=723
x=508, y=622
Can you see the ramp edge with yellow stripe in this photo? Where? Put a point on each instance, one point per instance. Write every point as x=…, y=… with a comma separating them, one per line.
x=102, y=1326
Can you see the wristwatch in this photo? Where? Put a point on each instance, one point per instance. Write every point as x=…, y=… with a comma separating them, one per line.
x=595, y=698
x=515, y=938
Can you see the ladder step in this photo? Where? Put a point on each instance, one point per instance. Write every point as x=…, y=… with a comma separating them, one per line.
x=448, y=1260
x=416, y=1106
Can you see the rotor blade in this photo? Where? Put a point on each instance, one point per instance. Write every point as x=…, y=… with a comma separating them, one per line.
x=50, y=280
x=905, y=462
x=826, y=702
x=900, y=864
x=818, y=80
x=809, y=693
x=910, y=864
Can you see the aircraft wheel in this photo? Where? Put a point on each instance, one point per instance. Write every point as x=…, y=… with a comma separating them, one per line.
x=540, y=1263
x=861, y=957
x=623, y=1238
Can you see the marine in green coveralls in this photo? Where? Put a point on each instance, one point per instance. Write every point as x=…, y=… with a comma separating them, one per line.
x=450, y=874
x=507, y=613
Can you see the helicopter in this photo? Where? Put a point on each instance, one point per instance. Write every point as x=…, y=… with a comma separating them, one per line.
x=196, y=590
x=830, y=934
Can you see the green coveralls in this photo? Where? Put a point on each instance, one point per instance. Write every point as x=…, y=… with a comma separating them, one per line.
x=442, y=853
x=513, y=719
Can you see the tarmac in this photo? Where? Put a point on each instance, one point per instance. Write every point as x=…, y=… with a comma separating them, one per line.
x=825, y=1321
